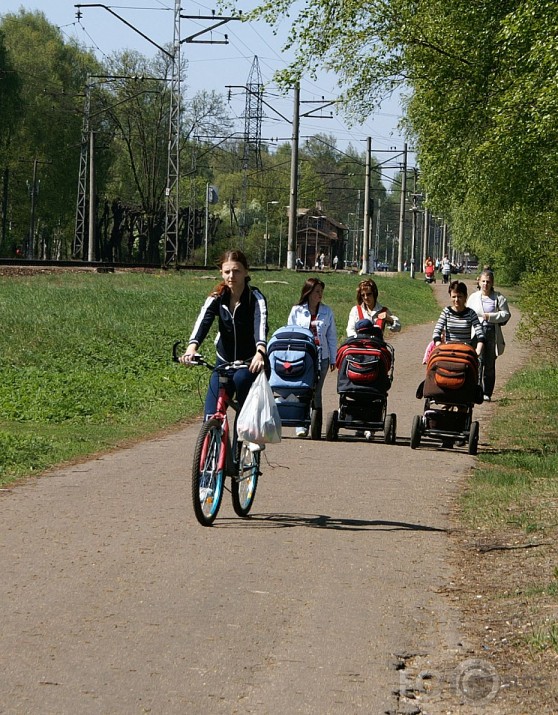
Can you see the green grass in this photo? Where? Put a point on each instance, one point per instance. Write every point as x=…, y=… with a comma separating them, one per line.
x=517, y=483
x=85, y=357
x=544, y=638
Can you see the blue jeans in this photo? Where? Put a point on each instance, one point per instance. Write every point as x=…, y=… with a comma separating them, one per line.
x=238, y=385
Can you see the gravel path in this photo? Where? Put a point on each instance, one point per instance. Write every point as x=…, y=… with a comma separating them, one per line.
x=116, y=601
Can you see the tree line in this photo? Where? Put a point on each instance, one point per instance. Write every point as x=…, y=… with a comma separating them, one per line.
x=480, y=86
x=57, y=99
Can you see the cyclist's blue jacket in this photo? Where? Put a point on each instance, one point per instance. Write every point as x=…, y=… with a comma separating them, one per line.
x=241, y=331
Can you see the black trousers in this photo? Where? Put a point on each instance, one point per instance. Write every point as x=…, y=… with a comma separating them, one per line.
x=488, y=361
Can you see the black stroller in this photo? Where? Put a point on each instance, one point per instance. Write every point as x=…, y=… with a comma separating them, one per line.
x=450, y=390
x=295, y=370
x=365, y=373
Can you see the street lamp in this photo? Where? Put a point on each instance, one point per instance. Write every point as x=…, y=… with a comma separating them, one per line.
x=266, y=227
x=350, y=238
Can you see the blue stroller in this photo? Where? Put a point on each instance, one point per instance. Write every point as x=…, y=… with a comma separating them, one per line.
x=295, y=371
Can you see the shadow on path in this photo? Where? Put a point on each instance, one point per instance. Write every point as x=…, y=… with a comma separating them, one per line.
x=323, y=521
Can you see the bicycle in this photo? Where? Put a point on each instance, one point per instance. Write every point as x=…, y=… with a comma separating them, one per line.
x=215, y=458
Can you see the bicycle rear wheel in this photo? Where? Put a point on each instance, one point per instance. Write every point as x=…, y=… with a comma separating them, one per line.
x=243, y=489
x=207, y=476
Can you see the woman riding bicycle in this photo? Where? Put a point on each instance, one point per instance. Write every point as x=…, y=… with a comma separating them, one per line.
x=242, y=318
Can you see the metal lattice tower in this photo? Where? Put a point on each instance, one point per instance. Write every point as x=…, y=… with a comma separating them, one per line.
x=173, y=166
x=253, y=114
x=81, y=207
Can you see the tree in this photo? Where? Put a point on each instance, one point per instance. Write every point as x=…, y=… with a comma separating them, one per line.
x=481, y=98
x=138, y=107
x=9, y=116
x=46, y=136
x=10, y=88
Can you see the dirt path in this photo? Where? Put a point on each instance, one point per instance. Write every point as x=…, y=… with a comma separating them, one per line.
x=116, y=601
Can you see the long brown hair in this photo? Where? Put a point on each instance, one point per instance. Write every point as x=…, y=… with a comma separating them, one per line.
x=231, y=255
x=307, y=288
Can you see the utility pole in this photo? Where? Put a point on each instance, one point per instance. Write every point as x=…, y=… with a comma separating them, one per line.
x=377, y=235
x=33, y=192
x=444, y=238
x=173, y=156
x=172, y=194
x=293, y=195
x=367, y=213
x=33, y=188
x=414, y=212
x=402, y=210
x=79, y=235
x=4, y=205
x=92, y=200
x=86, y=159
x=425, y=236
x=356, y=235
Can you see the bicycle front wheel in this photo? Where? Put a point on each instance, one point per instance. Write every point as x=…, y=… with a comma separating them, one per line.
x=208, y=472
x=243, y=489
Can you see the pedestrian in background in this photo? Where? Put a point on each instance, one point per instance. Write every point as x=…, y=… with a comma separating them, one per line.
x=311, y=313
x=493, y=312
x=445, y=267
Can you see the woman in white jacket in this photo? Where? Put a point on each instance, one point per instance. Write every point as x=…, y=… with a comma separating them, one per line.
x=311, y=313
x=492, y=309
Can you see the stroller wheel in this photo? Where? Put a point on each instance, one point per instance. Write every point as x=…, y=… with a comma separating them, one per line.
x=416, y=431
x=390, y=428
x=316, y=424
x=474, y=438
x=332, y=426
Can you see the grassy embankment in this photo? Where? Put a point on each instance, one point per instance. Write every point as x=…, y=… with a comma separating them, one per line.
x=85, y=358
x=512, y=500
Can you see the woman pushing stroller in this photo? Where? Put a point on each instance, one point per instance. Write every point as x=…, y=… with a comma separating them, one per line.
x=310, y=312
x=368, y=308
x=451, y=387
x=457, y=323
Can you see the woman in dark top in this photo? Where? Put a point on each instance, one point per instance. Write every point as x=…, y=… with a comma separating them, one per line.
x=242, y=318
x=457, y=323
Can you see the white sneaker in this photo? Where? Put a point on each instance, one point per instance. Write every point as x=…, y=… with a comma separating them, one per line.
x=301, y=432
x=368, y=435
x=253, y=447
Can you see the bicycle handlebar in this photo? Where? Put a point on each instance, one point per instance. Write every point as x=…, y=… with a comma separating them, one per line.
x=200, y=360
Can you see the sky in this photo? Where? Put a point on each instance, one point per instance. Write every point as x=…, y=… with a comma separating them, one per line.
x=219, y=66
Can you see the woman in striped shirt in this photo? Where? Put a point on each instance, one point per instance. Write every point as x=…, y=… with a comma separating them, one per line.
x=457, y=323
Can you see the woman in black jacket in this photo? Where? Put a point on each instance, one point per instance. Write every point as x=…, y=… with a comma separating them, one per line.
x=241, y=312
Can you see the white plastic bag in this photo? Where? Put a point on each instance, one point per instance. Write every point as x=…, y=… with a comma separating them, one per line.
x=259, y=419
